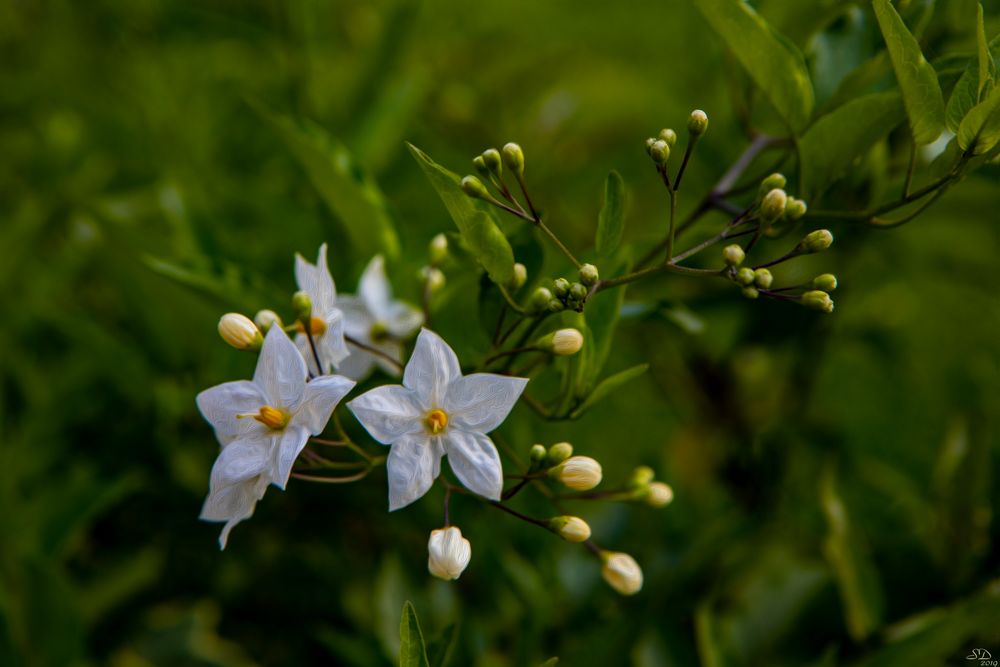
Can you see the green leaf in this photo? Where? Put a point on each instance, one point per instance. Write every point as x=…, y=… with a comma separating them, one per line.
x=976, y=82
x=917, y=78
x=979, y=131
x=611, y=221
x=841, y=136
x=347, y=189
x=983, y=56
x=771, y=60
x=412, y=652
x=440, y=650
x=857, y=578
x=474, y=219
x=607, y=386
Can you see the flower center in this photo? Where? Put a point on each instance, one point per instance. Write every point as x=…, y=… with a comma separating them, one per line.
x=379, y=332
x=273, y=418
x=436, y=421
x=317, y=327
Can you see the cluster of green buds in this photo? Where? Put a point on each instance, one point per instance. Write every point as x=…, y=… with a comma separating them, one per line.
x=565, y=295
x=774, y=205
x=431, y=274
x=750, y=280
x=581, y=473
x=643, y=487
x=490, y=166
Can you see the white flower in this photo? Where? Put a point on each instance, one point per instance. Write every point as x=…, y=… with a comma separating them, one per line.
x=262, y=426
x=437, y=411
x=621, y=572
x=448, y=553
x=375, y=319
x=327, y=324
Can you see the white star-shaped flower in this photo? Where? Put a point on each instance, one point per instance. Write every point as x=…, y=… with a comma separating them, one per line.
x=375, y=319
x=438, y=411
x=327, y=323
x=262, y=426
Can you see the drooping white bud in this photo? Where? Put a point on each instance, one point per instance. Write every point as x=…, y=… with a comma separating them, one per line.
x=570, y=528
x=621, y=572
x=659, y=495
x=240, y=332
x=448, y=553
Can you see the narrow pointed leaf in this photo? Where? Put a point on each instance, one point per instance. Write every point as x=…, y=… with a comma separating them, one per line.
x=412, y=651
x=972, y=87
x=611, y=221
x=917, y=79
x=985, y=60
x=979, y=131
x=771, y=60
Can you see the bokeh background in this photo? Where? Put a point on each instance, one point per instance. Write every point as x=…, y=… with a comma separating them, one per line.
x=834, y=475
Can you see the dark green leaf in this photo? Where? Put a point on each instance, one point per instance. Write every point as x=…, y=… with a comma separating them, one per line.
x=474, y=219
x=772, y=61
x=980, y=129
x=975, y=84
x=412, y=652
x=440, y=650
x=611, y=221
x=983, y=57
x=607, y=386
x=917, y=78
x=838, y=138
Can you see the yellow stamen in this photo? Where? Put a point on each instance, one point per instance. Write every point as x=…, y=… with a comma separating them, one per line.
x=436, y=421
x=273, y=418
x=316, y=326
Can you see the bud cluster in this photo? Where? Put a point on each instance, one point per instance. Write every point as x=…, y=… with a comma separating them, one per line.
x=643, y=487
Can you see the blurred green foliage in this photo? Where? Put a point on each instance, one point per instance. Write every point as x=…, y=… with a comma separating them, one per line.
x=834, y=475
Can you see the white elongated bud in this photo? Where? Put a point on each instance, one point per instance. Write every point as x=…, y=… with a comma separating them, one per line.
x=562, y=342
x=621, y=572
x=570, y=528
x=772, y=206
x=578, y=472
x=240, y=332
x=816, y=241
x=265, y=319
x=448, y=553
x=659, y=495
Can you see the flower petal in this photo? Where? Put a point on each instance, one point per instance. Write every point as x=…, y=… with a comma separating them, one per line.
x=474, y=460
x=374, y=288
x=358, y=365
x=293, y=441
x=358, y=319
x=233, y=503
x=221, y=404
x=241, y=460
x=431, y=369
x=316, y=281
x=332, y=346
x=281, y=371
x=414, y=462
x=388, y=412
x=402, y=319
x=481, y=401
x=318, y=401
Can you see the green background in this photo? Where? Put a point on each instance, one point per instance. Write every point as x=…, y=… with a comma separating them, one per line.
x=834, y=475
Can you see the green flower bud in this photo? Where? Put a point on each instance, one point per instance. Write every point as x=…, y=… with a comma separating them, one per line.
x=240, y=332
x=558, y=453
x=556, y=306
x=589, y=274
x=540, y=299
x=561, y=287
x=302, y=306
x=480, y=166
x=493, y=162
x=750, y=292
x=432, y=277
x=745, y=276
x=537, y=455
x=818, y=300
x=641, y=476
x=519, y=278
x=438, y=249
x=660, y=151
x=649, y=144
x=669, y=136
x=826, y=282
x=733, y=254
x=570, y=528
x=772, y=206
x=816, y=241
x=265, y=319
x=513, y=157
x=697, y=123
x=795, y=208
x=775, y=181
x=474, y=187
x=762, y=278
x=578, y=291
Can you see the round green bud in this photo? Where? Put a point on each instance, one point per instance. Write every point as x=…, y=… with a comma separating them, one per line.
x=697, y=122
x=816, y=241
x=826, y=282
x=818, y=300
x=589, y=274
x=750, y=292
x=558, y=453
x=438, y=249
x=649, y=144
x=432, y=277
x=537, y=454
x=660, y=151
x=474, y=187
x=795, y=208
x=570, y=528
x=772, y=206
x=265, y=319
x=556, y=306
x=540, y=299
x=641, y=476
x=762, y=278
x=733, y=254
x=578, y=291
x=302, y=306
x=561, y=287
x=491, y=157
x=745, y=276
x=669, y=136
x=480, y=166
x=519, y=278
x=775, y=181
x=513, y=157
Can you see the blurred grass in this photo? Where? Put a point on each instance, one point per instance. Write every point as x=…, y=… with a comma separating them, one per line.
x=834, y=476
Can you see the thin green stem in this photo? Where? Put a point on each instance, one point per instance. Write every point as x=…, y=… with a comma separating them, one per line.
x=514, y=351
x=374, y=351
x=510, y=300
x=559, y=244
x=910, y=169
